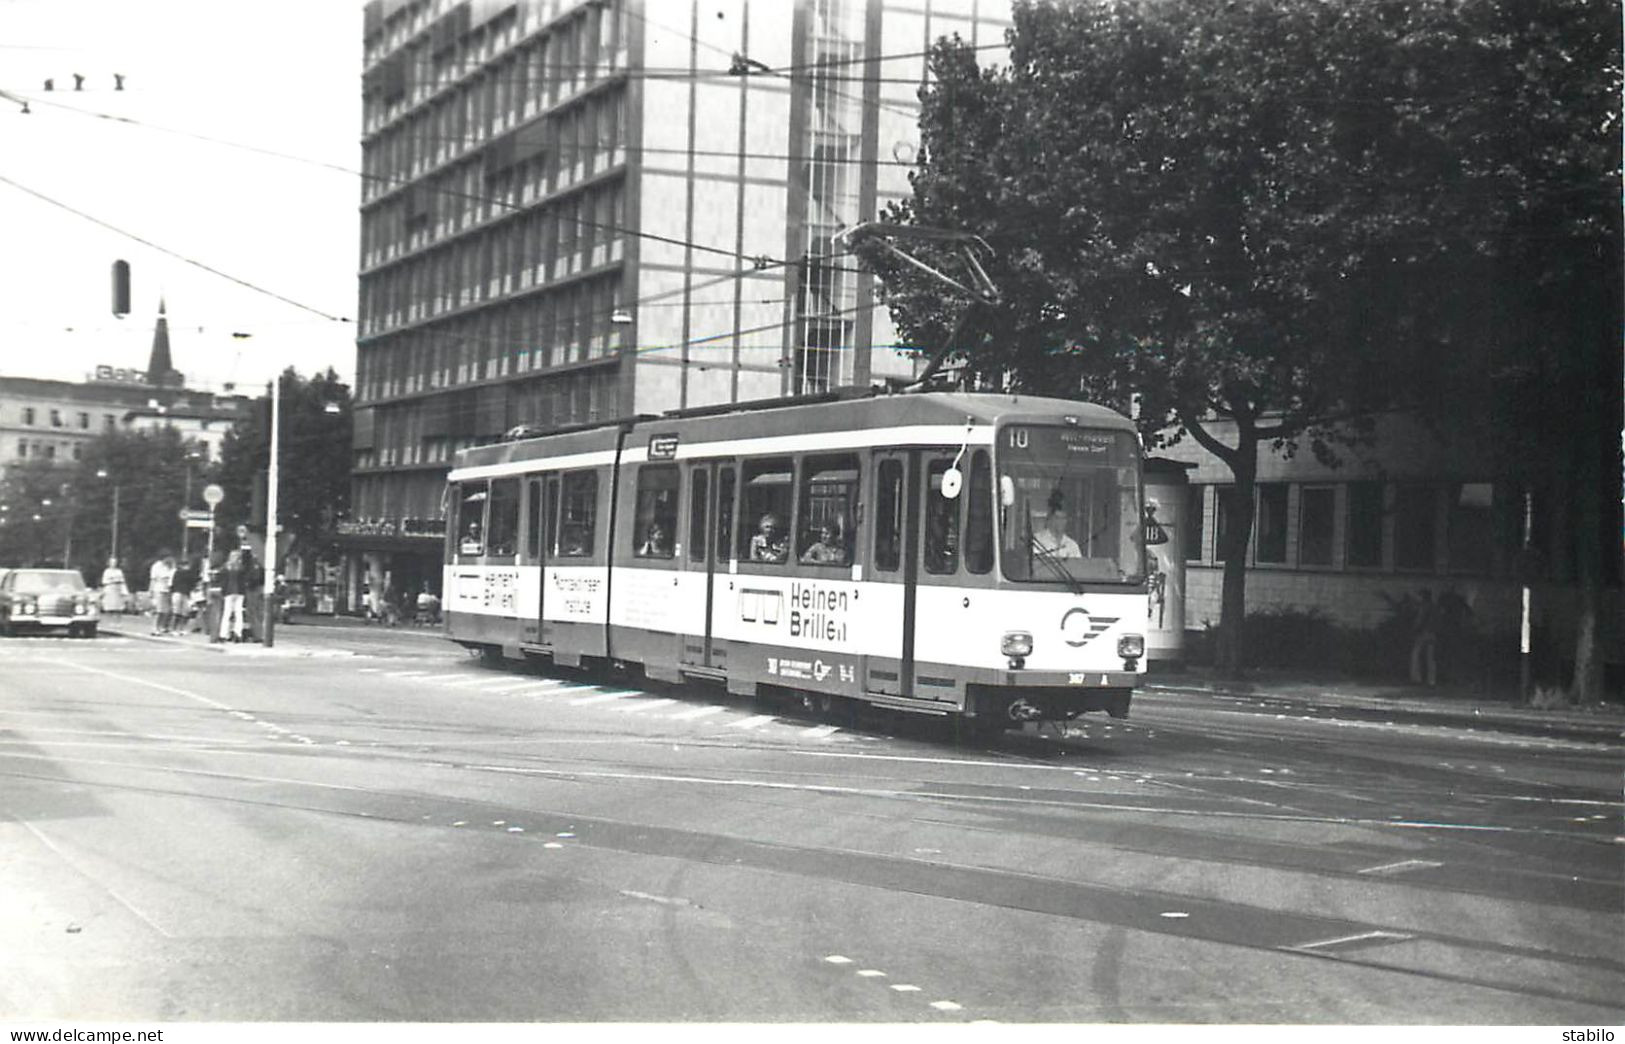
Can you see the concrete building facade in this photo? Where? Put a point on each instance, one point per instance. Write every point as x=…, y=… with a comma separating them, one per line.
x=576, y=210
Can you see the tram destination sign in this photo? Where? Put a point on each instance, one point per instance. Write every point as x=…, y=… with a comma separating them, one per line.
x=663, y=447
x=1053, y=440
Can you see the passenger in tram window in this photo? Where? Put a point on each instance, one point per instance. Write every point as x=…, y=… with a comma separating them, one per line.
x=828, y=550
x=574, y=541
x=769, y=544
x=656, y=542
x=1052, y=539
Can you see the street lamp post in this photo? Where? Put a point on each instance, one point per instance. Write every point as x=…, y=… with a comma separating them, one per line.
x=269, y=590
x=112, y=541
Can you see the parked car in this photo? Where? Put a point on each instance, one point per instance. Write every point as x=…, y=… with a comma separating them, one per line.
x=45, y=600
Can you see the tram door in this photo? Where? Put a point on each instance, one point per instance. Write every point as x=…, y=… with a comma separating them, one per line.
x=707, y=553
x=895, y=557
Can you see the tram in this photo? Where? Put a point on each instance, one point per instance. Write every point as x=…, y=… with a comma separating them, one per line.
x=971, y=555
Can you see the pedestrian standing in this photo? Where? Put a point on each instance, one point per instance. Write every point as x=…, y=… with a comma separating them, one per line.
x=1424, y=641
x=160, y=578
x=115, y=593
x=231, y=586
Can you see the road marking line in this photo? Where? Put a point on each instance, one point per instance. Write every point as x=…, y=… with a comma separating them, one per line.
x=1345, y=940
x=821, y=731
x=511, y=687
x=405, y=674
x=755, y=721
x=1402, y=866
x=602, y=697
x=903, y=987
x=947, y=1006
x=695, y=712
x=872, y=973
x=633, y=708
x=836, y=958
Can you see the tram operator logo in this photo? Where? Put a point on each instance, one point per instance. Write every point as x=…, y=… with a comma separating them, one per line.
x=1078, y=628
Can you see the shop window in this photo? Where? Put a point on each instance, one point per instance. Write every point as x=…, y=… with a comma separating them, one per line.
x=1363, y=548
x=829, y=491
x=1271, y=523
x=1227, y=518
x=941, y=522
x=1471, y=524
x=765, y=511
x=1316, y=514
x=1415, y=527
x=1195, y=502
x=889, y=500
x=655, y=520
x=578, y=514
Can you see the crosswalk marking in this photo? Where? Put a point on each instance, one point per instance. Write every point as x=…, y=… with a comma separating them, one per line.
x=643, y=705
x=755, y=721
x=696, y=712
x=602, y=697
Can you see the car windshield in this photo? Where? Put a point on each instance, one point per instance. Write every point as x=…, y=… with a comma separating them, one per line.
x=1070, y=505
x=46, y=581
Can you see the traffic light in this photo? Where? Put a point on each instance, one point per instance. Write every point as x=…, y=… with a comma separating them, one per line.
x=121, y=288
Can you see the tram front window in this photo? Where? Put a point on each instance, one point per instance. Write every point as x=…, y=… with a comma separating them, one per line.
x=1069, y=505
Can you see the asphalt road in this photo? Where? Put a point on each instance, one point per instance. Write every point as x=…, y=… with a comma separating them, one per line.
x=390, y=831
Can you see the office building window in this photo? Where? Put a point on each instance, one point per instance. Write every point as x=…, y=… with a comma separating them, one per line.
x=1316, y=515
x=1364, y=531
x=56, y=418
x=28, y=415
x=1271, y=545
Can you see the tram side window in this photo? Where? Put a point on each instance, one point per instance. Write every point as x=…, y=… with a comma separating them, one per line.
x=697, y=507
x=889, y=516
x=656, y=511
x=941, y=523
x=533, y=520
x=765, y=512
x=502, y=524
x=471, y=518
x=578, y=509
x=725, y=512
x=829, y=494
x=979, y=515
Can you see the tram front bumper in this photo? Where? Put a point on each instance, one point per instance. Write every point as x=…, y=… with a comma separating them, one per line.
x=1020, y=696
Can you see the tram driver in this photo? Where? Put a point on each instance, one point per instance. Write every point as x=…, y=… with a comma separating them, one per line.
x=770, y=544
x=1053, y=540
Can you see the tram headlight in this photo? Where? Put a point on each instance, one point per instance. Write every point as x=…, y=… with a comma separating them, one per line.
x=1017, y=646
x=1016, y=643
x=1131, y=646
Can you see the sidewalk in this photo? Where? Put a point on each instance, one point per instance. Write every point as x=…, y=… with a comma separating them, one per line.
x=1442, y=702
x=308, y=636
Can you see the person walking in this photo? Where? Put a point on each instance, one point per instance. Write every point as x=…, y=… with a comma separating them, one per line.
x=160, y=579
x=180, y=597
x=231, y=587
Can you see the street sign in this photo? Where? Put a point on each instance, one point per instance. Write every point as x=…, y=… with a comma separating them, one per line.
x=199, y=523
x=213, y=494
x=194, y=517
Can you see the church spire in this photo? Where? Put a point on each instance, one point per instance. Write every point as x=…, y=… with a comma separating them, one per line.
x=160, y=368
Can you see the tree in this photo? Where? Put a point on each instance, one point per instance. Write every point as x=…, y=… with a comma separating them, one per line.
x=147, y=472
x=1262, y=213
x=314, y=461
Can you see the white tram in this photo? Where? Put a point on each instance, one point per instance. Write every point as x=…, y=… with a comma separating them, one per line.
x=975, y=555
